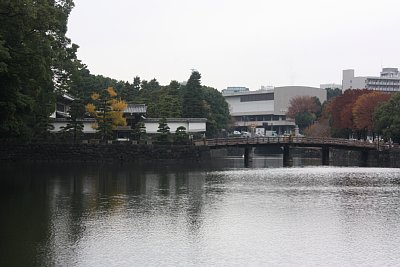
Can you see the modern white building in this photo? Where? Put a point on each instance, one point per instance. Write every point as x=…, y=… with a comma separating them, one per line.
x=265, y=110
x=388, y=81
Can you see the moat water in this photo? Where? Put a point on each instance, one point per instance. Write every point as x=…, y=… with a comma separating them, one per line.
x=216, y=214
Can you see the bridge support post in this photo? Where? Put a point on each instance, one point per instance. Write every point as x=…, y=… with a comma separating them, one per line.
x=287, y=159
x=325, y=156
x=248, y=156
x=364, y=158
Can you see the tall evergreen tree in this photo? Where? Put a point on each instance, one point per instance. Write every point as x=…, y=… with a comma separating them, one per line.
x=217, y=111
x=192, y=98
x=36, y=59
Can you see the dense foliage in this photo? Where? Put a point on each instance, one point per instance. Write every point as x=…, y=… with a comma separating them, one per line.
x=176, y=100
x=387, y=119
x=163, y=131
x=364, y=108
x=350, y=114
x=358, y=114
x=304, y=109
x=193, y=105
x=107, y=110
x=332, y=93
x=36, y=60
x=74, y=128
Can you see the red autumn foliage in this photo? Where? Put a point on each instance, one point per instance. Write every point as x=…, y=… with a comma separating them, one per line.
x=321, y=127
x=341, y=108
x=364, y=108
x=300, y=104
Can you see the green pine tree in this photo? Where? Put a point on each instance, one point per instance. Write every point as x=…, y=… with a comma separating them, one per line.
x=163, y=131
x=193, y=100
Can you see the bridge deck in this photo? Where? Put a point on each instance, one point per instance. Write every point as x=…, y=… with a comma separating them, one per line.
x=295, y=141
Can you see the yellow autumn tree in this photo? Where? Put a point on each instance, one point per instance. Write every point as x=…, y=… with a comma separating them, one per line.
x=107, y=111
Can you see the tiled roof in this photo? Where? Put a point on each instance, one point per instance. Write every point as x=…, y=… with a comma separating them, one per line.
x=136, y=108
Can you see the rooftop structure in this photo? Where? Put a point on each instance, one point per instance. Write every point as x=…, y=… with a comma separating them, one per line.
x=235, y=89
x=135, y=109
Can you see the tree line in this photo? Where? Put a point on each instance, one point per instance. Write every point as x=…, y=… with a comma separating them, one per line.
x=38, y=62
x=355, y=113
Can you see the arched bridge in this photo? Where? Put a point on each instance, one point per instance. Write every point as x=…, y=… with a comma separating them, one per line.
x=289, y=141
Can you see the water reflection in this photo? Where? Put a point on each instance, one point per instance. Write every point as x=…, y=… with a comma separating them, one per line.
x=47, y=210
x=107, y=215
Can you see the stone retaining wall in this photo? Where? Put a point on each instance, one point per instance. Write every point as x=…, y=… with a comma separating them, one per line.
x=387, y=158
x=101, y=152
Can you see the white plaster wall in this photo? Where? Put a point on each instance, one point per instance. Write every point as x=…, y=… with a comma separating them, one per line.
x=196, y=127
x=58, y=125
x=87, y=127
x=152, y=127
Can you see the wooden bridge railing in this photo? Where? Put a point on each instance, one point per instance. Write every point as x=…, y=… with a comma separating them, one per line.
x=312, y=141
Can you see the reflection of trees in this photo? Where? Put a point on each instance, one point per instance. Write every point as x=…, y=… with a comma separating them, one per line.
x=47, y=210
x=195, y=204
x=24, y=223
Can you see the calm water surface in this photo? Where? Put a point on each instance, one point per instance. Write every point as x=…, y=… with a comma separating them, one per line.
x=101, y=215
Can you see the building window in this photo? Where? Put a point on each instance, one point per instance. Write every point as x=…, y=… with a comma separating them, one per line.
x=257, y=97
x=267, y=117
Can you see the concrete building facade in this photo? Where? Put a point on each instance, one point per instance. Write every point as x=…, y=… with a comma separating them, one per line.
x=265, y=110
x=388, y=81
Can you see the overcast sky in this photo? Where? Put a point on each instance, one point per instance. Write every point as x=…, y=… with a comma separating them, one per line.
x=236, y=42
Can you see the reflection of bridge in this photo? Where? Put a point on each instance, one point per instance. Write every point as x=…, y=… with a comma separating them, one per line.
x=287, y=142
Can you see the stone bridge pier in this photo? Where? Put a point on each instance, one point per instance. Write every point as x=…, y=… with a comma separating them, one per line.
x=288, y=159
x=248, y=156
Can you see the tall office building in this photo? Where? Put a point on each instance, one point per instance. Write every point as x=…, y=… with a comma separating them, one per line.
x=388, y=81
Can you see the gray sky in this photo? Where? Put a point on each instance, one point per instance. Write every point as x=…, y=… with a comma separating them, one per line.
x=237, y=43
